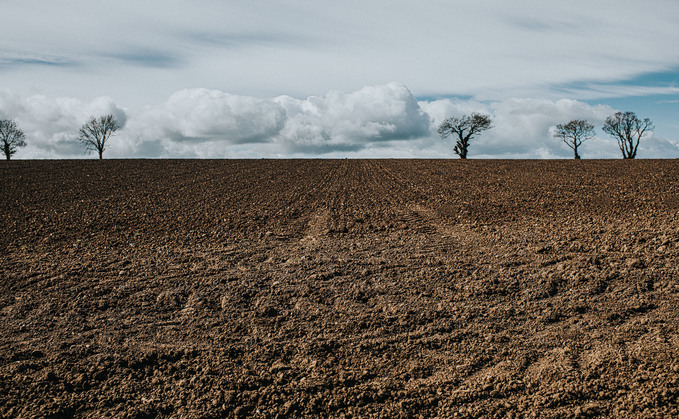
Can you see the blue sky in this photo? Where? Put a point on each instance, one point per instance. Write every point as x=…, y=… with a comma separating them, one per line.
x=291, y=78
x=663, y=109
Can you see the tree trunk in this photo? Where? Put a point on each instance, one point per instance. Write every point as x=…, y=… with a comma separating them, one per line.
x=463, y=154
x=627, y=154
x=577, y=156
x=100, y=154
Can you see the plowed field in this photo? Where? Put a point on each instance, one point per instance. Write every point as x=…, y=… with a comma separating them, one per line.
x=339, y=288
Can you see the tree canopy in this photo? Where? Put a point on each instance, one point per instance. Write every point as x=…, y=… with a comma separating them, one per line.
x=628, y=130
x=465, y=128
x=574, y=134
x=95, y=133
x=11, y=137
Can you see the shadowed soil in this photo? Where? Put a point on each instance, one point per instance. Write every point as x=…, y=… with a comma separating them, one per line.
x=339, y=288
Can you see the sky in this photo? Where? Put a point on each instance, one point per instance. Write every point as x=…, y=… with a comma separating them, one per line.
x=357, y=79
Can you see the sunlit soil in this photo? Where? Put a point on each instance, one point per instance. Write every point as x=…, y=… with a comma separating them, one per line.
x=339, y=288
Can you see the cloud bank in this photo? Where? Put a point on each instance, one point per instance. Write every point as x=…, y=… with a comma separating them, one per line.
x=374, y=121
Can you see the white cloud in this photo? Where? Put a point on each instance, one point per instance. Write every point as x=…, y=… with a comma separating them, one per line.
x=374, y=121
x=208, y=123
x=493, y=50
x=198, y=115
x=602, y=91
x=439, y=110
x=352, y=121
x=658, y=147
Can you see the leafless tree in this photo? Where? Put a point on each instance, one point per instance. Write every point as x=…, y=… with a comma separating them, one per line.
x=627, y=129
x=11, y=136
x=465, y=127
x=95, y=133
x=574, y=134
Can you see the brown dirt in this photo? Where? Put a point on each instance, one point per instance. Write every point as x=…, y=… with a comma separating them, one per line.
x=339, y=288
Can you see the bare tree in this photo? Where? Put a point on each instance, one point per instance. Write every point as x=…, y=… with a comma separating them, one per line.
x=574, y=134
x=95, y=133
x=627, y=129
x=11, y=136
x=466, y=128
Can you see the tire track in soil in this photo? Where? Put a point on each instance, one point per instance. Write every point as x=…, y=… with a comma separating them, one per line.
x=426, y=245
x=454, y=245
x=484, y=247
x=369, y=297
x=417, y=214
x=352, y=189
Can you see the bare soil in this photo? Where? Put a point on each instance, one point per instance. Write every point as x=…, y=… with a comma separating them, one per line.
x=339, y=288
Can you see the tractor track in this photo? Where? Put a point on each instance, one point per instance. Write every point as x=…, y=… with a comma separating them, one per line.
x=339, y=288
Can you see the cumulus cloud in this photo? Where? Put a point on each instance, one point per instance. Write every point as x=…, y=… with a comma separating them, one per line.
x=375, y=121
x=198, y=115
x=658, y=147
x=352, y=121
x=209, y=123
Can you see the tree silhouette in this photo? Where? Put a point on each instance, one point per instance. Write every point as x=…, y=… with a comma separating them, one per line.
x=627, y=129
x=465, y=127
x=11, y=137
x=95, y=133
x=574, y=134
